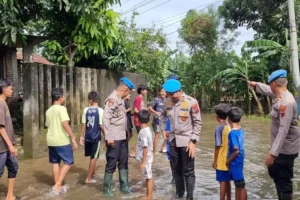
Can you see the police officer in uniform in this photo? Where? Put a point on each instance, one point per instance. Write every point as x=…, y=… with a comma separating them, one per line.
x=115, y=124
x=184, y=114
x=284, y=132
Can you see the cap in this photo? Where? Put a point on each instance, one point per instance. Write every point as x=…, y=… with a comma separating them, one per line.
x=172, y=85
x=127, y=82
x=277, y=74
x=173, y=77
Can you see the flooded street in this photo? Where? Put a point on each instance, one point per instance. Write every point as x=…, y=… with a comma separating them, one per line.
x=35, y=180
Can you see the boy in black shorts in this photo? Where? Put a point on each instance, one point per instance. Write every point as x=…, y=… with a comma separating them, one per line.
x=91, y=133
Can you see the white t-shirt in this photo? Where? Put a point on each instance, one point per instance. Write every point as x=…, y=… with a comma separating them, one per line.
x=144, y=140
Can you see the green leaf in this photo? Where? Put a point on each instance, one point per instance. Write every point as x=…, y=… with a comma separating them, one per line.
x=13, y=35
x=5, y=38
x=98, y=3
x=59, y=58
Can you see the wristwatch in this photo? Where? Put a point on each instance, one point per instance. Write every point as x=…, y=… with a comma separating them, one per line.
x=194, y=141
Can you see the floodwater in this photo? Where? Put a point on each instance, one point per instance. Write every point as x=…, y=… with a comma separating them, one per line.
x=34, y=179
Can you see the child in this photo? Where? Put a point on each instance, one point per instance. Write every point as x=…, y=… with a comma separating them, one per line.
x=8, y=152
x=138, y=106
x=58, y=140
x=91, y=133
x=221, y=151
x=145, y=150
x=235, y=161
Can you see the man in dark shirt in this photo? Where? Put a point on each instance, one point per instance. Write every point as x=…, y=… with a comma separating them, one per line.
x=157, y=108
x=8, y=152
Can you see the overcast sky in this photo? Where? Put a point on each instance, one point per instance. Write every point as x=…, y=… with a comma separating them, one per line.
x=168, y=13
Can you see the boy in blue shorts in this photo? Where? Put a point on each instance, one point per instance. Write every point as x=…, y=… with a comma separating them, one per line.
x=221, y=151
x=58, y=140
x=91, y=132
x=236, y=155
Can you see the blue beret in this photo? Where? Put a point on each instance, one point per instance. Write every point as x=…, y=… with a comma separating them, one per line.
x=173, y=77
x=277, y=74
x=172, y=85
x=128, y=83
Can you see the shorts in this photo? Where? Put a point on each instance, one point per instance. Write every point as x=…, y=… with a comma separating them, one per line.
x=156, y=128
x=237, y=175
x=58, y=153
x=92, y=149
x=222, y=176
x=11, y=162
x=147, y=172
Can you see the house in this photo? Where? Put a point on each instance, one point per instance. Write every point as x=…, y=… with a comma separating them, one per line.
x=9, y=67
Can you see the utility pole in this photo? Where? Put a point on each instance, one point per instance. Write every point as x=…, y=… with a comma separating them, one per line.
x=294, y=50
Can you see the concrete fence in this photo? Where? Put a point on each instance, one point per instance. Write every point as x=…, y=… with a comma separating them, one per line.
x=38, y=81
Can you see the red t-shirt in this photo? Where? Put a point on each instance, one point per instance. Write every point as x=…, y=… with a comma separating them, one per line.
x=139, y=104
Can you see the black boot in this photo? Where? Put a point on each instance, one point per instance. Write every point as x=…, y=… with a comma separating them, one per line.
x=107, y=184
x=123, y=178
x=190, y=186
x=179, y=183
x=286, y=196
x=173, y=180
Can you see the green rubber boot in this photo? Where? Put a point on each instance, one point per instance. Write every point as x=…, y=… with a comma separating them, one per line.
x=107, y=184
x=123, y=177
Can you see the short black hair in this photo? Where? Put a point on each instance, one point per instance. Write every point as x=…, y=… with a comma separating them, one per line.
x=4, y=83
x=141, y=88
x=56, y=93
x=94, y=96
x=144, y=116
x=235, y=114
x=222, y=110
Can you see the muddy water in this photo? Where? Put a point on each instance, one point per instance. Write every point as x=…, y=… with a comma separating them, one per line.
x=34, y=179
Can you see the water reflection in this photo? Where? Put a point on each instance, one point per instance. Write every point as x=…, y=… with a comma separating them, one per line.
x=34, y=179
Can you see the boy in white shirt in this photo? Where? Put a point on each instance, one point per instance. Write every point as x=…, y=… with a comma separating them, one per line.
x=145, y=150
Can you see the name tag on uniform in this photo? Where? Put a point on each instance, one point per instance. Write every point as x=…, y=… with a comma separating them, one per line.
x=183, y=115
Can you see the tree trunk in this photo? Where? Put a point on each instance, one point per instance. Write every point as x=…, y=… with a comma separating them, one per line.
x=71, y=53
x=260, y=108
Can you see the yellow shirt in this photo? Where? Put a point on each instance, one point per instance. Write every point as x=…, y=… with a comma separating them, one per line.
x=223, y=150
x=56, y=135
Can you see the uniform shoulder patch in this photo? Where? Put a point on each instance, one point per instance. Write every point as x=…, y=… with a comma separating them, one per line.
x=196, y=108
x=282, y=110
x=110, y=103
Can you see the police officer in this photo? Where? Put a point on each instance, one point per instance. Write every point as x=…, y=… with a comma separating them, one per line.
x=284, y=132
x=115, y=123
x=184, y=114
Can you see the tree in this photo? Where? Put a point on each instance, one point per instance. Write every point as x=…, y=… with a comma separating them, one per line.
x=141, y=50
x=243, y=70
x=268, y=18
x=210, y=47
x=75, y=29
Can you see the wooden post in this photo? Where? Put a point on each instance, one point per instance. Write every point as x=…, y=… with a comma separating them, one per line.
x=70, y=99
x=31, y=113
x=77, y=96
x=41, y=97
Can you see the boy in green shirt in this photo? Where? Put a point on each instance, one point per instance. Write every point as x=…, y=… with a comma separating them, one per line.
x=58, y=140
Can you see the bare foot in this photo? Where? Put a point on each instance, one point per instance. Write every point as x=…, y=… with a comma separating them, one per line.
x=146, y=198
x=90, y=181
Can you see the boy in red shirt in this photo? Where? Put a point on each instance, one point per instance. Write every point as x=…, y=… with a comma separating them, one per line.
x=138, y=105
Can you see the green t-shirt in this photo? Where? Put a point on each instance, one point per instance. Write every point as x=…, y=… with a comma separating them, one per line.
x=56, y=135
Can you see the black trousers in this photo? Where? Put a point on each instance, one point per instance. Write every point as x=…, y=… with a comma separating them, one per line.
x=183, y=167
x=282, y=172
x=117, y=154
